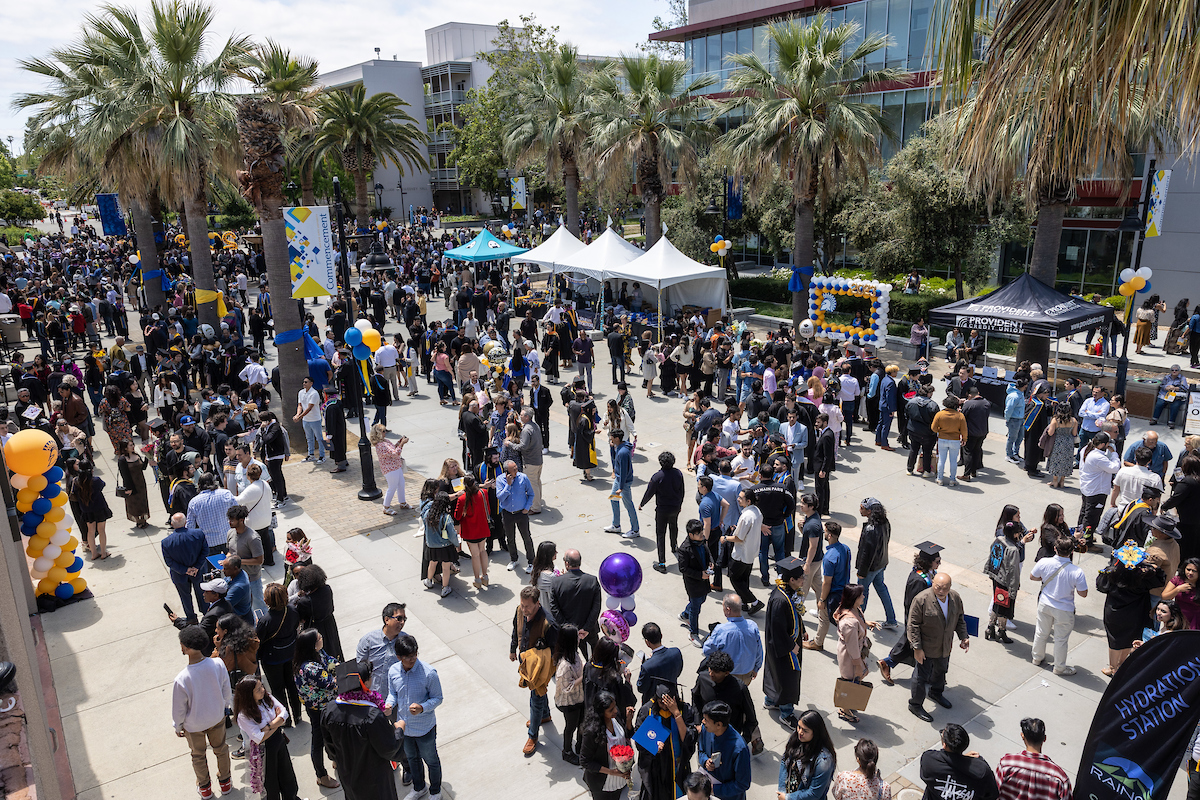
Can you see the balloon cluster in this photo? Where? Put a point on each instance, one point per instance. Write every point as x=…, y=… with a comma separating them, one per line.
x=45, y=520
x=381, y=225
x=721, y=246
x=509, y=230
x=363, y=339
x=1135, y=281
x=879, y=294
x=494, y=359
x=620, y=576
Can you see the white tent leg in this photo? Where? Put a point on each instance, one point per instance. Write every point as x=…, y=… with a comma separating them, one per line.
x=1057, y=349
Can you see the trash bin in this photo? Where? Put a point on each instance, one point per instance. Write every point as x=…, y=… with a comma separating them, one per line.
x=10, y=326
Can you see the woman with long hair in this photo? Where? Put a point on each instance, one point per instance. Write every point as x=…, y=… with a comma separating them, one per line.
x=866, y=782
x=315, y=673
x=93, y=511
x=471, y=514
x=260, y=717
x=854, y=640
x=1182, y=593
x=165, y=397
x=437, y=514
x=1054, y=524
x=1146, y=317
x=543, y=573
x=391, y=462
x=568, y=689
x=314, y=603
x=691, y=411
x=1003, y=566
x=1127, y=603
x=604, y=727
x=1011, y=513
x=276, y=631
x=617, y=418
x=132, y=467
x=1119, y=414
x=1060, y=458
x=443, y=375
x=808, y=761
x=510, y=447
x=1169, y=619
x=604, y=673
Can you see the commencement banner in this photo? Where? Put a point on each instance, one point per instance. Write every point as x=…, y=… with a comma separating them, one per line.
x=310, y=251
x=111, y=221
x=1144, y=722
x=1158, y=202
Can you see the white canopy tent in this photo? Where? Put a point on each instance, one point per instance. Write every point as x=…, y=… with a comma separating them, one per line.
x=554, y=252
x=598, y=259
x=679, y=280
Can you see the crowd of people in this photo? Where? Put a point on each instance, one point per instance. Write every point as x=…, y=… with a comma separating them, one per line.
x=198, y=413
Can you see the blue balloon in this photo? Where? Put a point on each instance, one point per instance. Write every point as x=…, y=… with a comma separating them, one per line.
x=1145, y=289
x=42, y=506
x=54, y=474
x=28, y=530
x=353, y=336
x=76, y=565
x=719, y=239
x=630, y=617
x=64, y=591
x=51, y=491
x=361, y=351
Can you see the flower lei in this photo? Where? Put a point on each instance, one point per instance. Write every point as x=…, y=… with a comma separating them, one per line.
x=363, y=697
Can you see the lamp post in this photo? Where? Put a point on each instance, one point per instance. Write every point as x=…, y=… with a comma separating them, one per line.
x=400, y=186
x=1133, y=223
x=378, y=196
x=292, y=190
x=724, y=212
x=366, y=463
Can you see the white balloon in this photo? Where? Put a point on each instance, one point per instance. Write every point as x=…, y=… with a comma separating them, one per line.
x=42, y=564
x=52, y=551
x=613, y=603
x=38, y=575
x=133, y=259
x=61, y=537
x=628, y=603
x=806, y=328
x=1127, y=274
x=19, y=482
x=363, y=325
x=1145, y=273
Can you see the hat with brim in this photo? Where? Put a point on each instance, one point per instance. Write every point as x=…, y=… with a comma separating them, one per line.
x=216, y=585
x=1166, y=526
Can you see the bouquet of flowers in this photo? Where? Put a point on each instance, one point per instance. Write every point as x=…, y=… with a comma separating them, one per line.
x=622, y=756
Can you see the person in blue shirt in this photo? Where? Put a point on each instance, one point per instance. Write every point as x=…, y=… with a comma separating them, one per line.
x=1160, y=454
x=415, y=692
x=239, y=588
x=1014, y=418
x=808, y=761
x=723, y=754
x=739, y=638
x=1193, y=327
x=836, y=568
x=621, y=452
x=514, y=492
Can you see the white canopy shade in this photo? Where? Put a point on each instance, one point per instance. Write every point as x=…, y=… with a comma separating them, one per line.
x=553, y=252
x=664, y=267
x=599, y=259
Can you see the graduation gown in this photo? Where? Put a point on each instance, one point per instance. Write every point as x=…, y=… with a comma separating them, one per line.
x=363, y=743
x=917, y=582
x=585, y=442
x=784, y=630
x=663, y=773
x=335, y=426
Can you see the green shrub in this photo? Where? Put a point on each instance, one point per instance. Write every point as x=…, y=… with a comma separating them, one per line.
x=1116, y=301
x=16, y=235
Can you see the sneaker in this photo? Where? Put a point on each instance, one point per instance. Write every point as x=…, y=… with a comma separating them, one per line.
x=417, y=795
x=205, y=791
x=307, y=460
x=940, y=483
x=437, y=796
x=696, y=640
x=446, y=591
x=1037, y=662
x=512, y=565
x=276, y=504
x=529, y=569
x=226, y=784
x=545, y=451
x=631, y=535
x=891, y=626
x=238, y=754
x=612, y=529
x=427, y=583
x=659, y=567
x=1064, y=670
x=321, y=460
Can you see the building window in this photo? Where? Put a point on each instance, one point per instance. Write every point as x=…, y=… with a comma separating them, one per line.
x=714, y=53
x=918, y=32
x=1072, y=252
x=762, y=47
x=687, y=54
x=745, y=40
x=914, y=113
x=877, y=13
x=897, y=53
x=893, y=120
x=699, y=57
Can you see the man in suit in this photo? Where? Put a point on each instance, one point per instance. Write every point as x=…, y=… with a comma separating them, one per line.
x=540, y=400
x=961, y=384
x=934, y=618
x=663, y=665
x=141, y=366
x=575, y=598
x=824, y=458
x=335, y=429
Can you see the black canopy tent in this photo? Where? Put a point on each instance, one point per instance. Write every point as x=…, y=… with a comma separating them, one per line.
x=1024, y=307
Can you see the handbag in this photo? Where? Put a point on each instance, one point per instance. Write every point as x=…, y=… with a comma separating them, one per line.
x=123, y=491
x=1001, y=598
x=851, y=695
x=1044, y=439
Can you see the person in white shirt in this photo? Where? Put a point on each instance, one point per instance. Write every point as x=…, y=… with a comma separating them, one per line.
x=387, y=357
x=241, y=284
x=241, y=472
x=743, y=466
x=254, y=372
x=308, y=412
x=6, y=305
x=198, y=702
x=555, y=314
x=1098, y=463
x=745, y=540
x=470, y=326
x=848, y=400
x=1061, y=581
x=731, y=429
x=261, y=718
x=1128, y=485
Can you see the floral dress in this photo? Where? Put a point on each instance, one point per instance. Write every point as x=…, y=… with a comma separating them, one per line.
x=116, y=421
x=317, y=682
x=1062, y=452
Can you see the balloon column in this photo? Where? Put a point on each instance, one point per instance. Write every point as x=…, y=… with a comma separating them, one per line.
x=45, y=519
x=620, y=576
x=363, y=340
x=509, y=230
x=1134, y=282
x=721, y=246
x=878, y=293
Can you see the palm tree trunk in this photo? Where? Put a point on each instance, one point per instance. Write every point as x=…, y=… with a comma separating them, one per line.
x=653, y=206
x=307, y=195
x=571, y=189
x=1043, y=266
x=802, y=255
x=958, y=282
x=293, y=365
x=194, y=207
x=361, y=212
x=143, y=226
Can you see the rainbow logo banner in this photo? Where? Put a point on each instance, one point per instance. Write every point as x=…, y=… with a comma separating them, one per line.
x=310, y=251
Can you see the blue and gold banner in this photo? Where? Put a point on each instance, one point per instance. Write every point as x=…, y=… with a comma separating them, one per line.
x=110, y=215
x=310, y=251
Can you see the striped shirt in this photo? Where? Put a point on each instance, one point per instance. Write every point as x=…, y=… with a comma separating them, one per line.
x=1031, y=776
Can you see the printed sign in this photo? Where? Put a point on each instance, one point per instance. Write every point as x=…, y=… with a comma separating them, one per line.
x=310, y=251
x=1191, y=422
x=518, y=193
x=1158, y=202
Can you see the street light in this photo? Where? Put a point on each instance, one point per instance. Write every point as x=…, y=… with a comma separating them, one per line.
x=369, y=490
x=400, y=186
x=292, y=189
x=1134, y=222
x=378, y=196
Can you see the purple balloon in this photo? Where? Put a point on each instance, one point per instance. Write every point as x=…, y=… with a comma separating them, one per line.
x=620, y=575
x=630, y=617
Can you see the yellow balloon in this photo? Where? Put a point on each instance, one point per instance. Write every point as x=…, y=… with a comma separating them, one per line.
x=1138, y=282
x=30, y=452
x=46, y=585
x=714, y=247
x=372, y=339
x=39, y=541
x=79, y=585
x=59, y=500
x=47, y=529
x=24, y=506
x=56, y=574
x=55, y=514
x=72, y=543
x=1127, y=290
x=65, y=559
x=37, y=483
x=34, y=551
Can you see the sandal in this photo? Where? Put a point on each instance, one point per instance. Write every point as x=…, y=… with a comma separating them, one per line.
x=405, y=506
x=848, y=716
x=1109, y=671
x=387, y=510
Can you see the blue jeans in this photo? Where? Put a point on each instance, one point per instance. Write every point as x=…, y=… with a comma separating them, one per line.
x=187, y=586
x=692, y=609
x=312, y=432
x=585, y=371
x=539, y=707
x=884, y=428
x=775, y=540
x=256, y=596
x=948, y=454
x=876, y=579
x=422, y=750
x=1016, y=432
x=1172, y=409
x=626, y=490
x=445, y=385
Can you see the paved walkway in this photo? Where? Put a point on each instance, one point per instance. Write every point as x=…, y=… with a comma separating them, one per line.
x=114, y=657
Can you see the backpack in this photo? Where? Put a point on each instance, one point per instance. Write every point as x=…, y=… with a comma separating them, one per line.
x=995, y=559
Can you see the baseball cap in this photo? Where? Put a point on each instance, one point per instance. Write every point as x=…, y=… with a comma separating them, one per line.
x=218, y=585
x=186, y=420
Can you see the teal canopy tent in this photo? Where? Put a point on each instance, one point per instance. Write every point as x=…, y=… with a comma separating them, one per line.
x=485, y=247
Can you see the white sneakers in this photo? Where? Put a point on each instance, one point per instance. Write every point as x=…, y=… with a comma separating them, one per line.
x=512, y=565
x=415, y=795
x=612, y=529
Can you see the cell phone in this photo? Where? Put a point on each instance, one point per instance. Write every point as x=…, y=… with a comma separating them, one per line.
x=715, y=758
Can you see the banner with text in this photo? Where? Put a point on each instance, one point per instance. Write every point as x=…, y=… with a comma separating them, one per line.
x=1144, y=722
x=1158, y=202
x=310, y=251
x=517, y=186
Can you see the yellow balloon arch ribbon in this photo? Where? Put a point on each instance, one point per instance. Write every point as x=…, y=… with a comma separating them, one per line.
x=208, y=296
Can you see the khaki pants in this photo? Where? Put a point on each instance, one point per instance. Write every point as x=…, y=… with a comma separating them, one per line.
x=813, y=580
x=822, y=626
x=534, y=473
x=198, y=742
x=390, y=375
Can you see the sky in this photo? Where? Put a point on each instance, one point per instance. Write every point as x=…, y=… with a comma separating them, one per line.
x=337, y=34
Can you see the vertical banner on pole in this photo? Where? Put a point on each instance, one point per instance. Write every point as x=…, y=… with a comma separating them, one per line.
x=310, y=251
x=111, y=220
x=1191, y=421
x=1158, y=202
x=517, y=187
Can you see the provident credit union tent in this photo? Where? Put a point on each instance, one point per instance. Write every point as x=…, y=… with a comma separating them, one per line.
x=1024, y=307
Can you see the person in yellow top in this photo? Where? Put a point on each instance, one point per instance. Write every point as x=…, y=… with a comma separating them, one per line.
x=950, y=426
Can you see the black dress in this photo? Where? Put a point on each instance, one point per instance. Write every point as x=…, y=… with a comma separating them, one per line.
x=133, y=478
x=902, y=652
x=316, y=611
x=1127, y=604
x=784, y=631
x=95, y=508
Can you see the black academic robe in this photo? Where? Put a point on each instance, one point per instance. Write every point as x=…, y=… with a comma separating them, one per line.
x=784, y=631
x=917, y=582
x=362, y=742
x=585, y=442
x=663, y=773
x=335, y=426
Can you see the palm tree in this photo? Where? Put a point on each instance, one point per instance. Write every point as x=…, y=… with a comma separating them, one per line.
x=364, y=131
x=551, y=122
x=284, y=97
x=803, y=118
x=648, y=115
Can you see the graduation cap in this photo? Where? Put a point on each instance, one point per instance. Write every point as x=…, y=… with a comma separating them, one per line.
x=790, y=567
x=930, y=549
x=350, y=675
